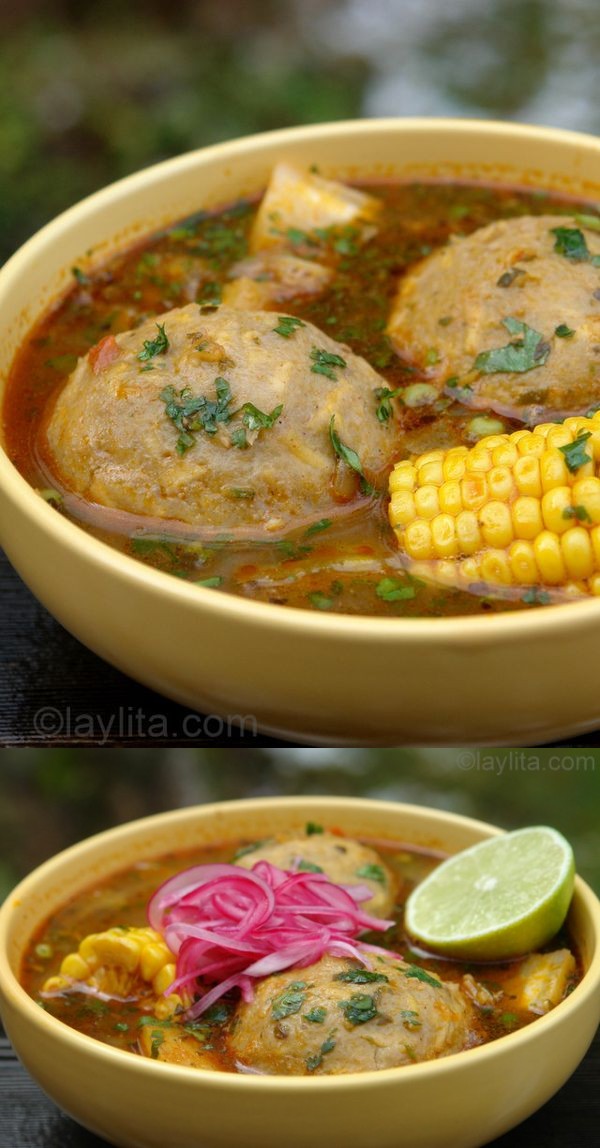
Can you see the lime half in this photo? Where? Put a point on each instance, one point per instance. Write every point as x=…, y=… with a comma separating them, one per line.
x=498, y=899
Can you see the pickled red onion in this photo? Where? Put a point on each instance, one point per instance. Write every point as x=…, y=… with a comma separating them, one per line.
x=228, y=926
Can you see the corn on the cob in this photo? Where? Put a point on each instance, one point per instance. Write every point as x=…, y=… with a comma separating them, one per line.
x=516, y=510
x=121, y=963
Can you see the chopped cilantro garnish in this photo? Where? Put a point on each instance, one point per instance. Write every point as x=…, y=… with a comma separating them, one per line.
x=563, y=331
x=325, y=361
x=157, y=1037
x=287, y=325
x=574, y=452
x=320, y=601
x=348, y=456
x=289, y=1001
x=509, y=1019
x=361, y=977
x=419, y=974
x=255, y=419
x=571, y=243
x=210, y=583
x=524, y=353
x=578, y=512
x=536, y=597
x=372, y=873
x=316, y=1060
x=508, y=277
x=317, y=527
x=191, y=413
x=308, y=867
x=383, y=396
x=311, y=828
x=410, y=1018
x=157, y=346
x=591, y=222
x=359, y=1009
x=121, y=1026
x=245, y=849
x=210, y=296
x=80, y=276
x=394, y=590
x=316, y=1015
x=239, y=438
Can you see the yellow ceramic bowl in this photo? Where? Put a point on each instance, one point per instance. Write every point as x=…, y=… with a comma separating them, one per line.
x=463, y=1100
x=314, y=677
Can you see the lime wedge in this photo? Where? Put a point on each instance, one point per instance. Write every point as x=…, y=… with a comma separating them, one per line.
x=501, y=898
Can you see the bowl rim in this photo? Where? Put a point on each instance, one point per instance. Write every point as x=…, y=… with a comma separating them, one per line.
x=585, y=993
x=462, y=630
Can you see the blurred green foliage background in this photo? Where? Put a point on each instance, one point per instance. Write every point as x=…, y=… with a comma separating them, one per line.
x=50, y=799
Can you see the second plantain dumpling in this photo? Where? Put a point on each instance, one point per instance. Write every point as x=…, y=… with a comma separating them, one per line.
x=219, y=419
x=510, y=316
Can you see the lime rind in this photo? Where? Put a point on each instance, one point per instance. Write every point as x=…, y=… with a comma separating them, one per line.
x=501, y=898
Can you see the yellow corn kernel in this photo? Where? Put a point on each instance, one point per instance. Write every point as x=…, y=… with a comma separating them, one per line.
x=470, y=571
x=553, y=470
x=402, y=508
x=505, y=455
x=577, y=425
x=479, y=461
x=493, y=441
x=417, y=539
x=403, y=477
x=526, y=473
x=474, y=491
x=163, y=979
x=429, y=456
x=496, y=524
x=594, y=584
x=453, y=465
x=517, y=435
x=500, y=482
x=443, y=534
x=559, y=436
x=595, y=537
x=432, y=472
x=153, y=958
x=450, y=498
x=577, y=552
x=495, y=568
x=554, y=504
x=527, y=518
x=427, y=503
x=112, y=947
x=521, y=556
x=543, y=428
x=531, y=445
x=549, y=558
x=586, y=494
x=75, y=966
x=445, y=571
x=468, y=533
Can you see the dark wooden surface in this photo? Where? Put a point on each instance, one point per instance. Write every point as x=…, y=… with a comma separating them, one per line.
x=29, y=1120
x=54, y=692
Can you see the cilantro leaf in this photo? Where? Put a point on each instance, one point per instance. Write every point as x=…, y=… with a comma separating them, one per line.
x=289, y=1001
x=325, y=361
x=320, y=601
x=255, y=419
x=322, y=524
x=191, y=413
x=578, y=512
x=316, y=1015
x=287, y=325
x=571, y=243
x=348, y=456
x=372, y=873
x=361, y=977
x=316, y=1059
x=536, y=597
x=384, y=406
x=394, y=590
x=419, y=974
x=157, y=346
x=359, y=1009
x=564, y=331
x=527, y=351
x=574, y=452
x=311, y=828
x=308, y=867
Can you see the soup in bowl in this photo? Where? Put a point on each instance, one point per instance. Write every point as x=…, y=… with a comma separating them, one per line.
x=359, y=397
x=155, y=1073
